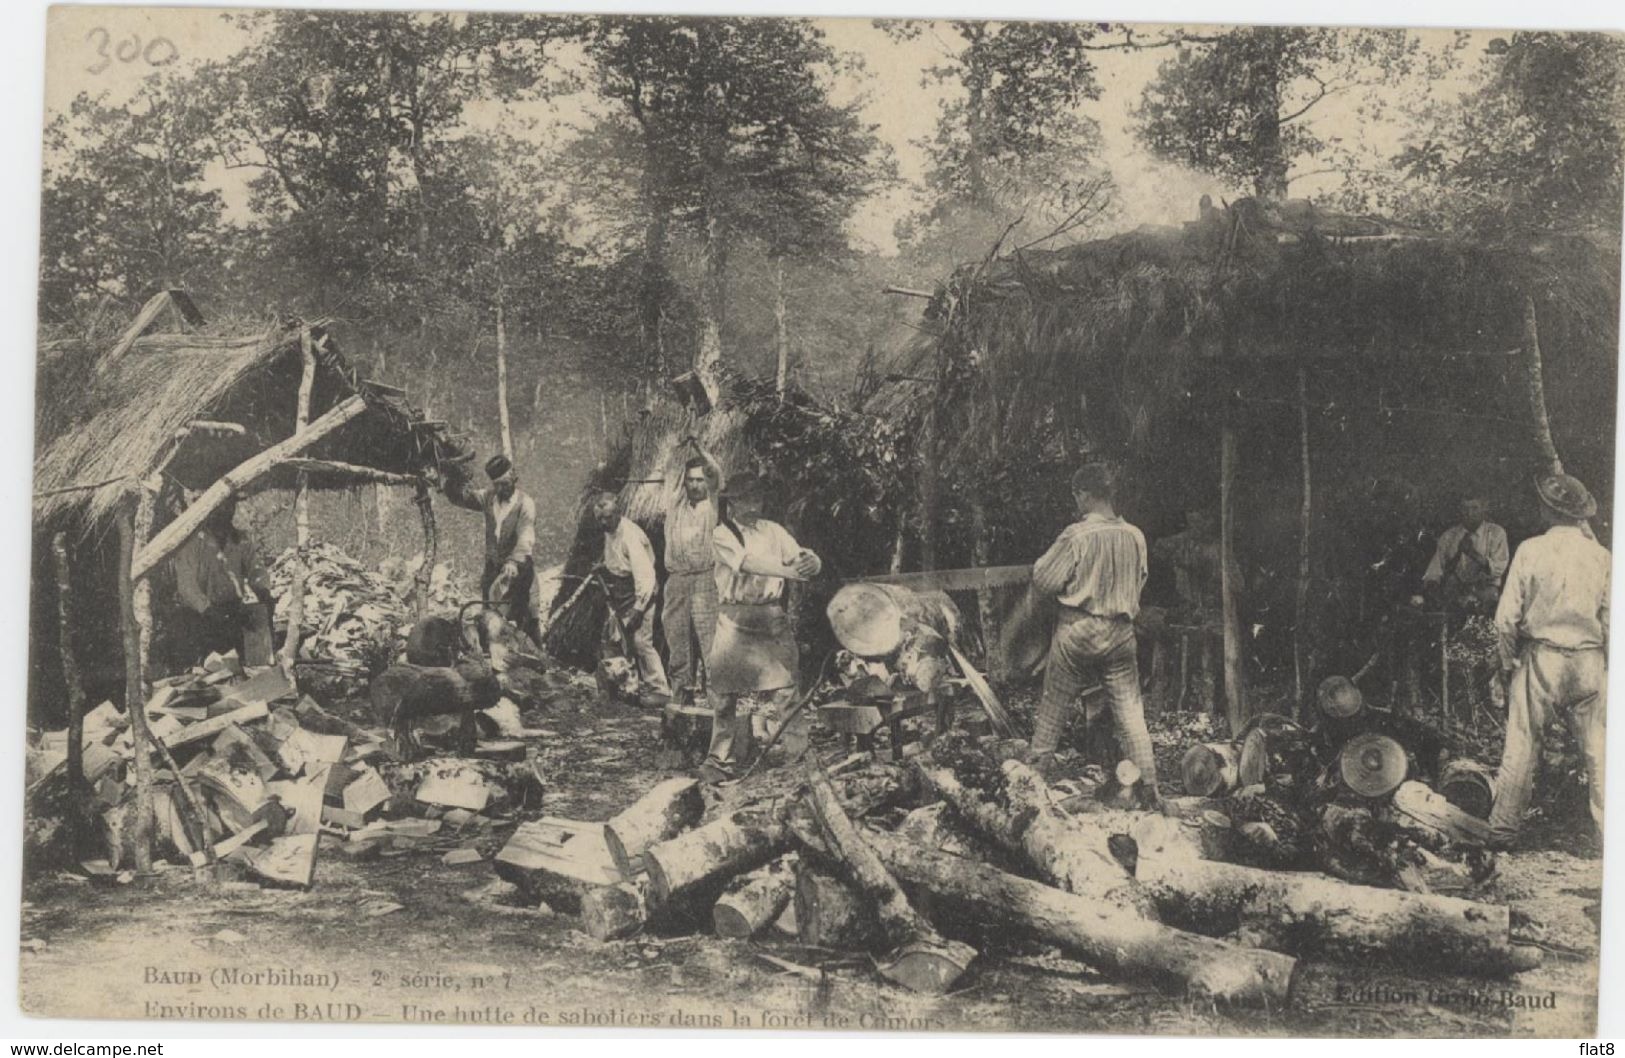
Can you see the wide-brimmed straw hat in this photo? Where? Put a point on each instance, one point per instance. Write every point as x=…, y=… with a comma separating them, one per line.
x=1565, y=496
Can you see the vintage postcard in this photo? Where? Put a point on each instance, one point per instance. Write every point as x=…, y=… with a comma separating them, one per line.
x=821, y=524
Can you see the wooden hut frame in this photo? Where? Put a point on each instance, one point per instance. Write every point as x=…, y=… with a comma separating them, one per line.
x=117, y=430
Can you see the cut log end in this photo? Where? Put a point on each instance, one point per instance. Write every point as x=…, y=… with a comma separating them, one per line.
x=613, y=912
x=932, y=967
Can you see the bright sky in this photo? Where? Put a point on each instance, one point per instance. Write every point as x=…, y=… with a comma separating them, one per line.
x=106, y=49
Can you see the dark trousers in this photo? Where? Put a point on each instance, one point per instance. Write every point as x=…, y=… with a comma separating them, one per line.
x=220, y=628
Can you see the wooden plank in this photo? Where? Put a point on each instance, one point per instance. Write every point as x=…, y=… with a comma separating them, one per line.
x=971, y=579
x=216, y=724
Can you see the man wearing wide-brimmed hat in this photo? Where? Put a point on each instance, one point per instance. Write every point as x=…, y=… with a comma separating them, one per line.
x=1552, y=634
x=510, y=539
x=754, y=649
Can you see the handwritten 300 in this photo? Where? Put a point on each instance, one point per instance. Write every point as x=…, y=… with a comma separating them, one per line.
x=159, y=51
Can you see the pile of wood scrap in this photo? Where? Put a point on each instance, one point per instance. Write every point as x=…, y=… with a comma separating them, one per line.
x=1346, y=797
x=354, y=621
x=962, y=856
x=249, y=772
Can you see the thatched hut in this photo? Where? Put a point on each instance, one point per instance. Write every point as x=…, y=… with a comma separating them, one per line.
x=1208, y=359
x=177, y=404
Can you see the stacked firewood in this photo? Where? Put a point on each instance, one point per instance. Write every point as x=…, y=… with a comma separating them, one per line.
x=962, y=855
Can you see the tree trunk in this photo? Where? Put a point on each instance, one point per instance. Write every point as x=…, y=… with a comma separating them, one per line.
x=1118, y=944
x=142, y=525
x=829, y=914
x=239, y=477
x=134, y=696
x=1534, y=381
x=431, y=540
x=928, y=485
x=1300, y=619
x=301, y=495
x=1235, y=693
x=71, y=681
x=1310, y=914
x=713, y=305
x=781, y=331
x=652, y=293
x=753, y=901
x=986, y=614
x=502, y=378
x=666, y=810
x=724, y=847
x=1070, y=853
x=918, y=957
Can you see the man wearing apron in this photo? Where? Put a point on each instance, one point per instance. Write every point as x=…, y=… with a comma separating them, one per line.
x=629, y=575
x=753, y=651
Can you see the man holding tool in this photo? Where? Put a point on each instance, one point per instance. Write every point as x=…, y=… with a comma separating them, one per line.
x=689, y=615
x=510, y=539
x=628, y=570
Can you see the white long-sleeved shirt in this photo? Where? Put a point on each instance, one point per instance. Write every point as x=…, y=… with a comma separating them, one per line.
x=627, y=552
x=1556, y=593
x=763, y=540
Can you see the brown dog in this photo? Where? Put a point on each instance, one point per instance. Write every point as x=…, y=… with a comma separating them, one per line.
x=402, y=695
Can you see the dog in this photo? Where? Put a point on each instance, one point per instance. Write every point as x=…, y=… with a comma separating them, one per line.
x=402, y=695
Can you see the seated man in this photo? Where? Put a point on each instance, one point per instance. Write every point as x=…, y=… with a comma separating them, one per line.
x=224, y=593
x=1469, y=561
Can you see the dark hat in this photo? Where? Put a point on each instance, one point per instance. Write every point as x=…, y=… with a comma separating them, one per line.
x=1565, y=496
x=498, y=466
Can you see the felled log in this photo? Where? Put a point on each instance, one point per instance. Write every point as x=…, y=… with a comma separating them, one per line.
x=613, y=912
x=917, y=957
x=1468, y=785
x=666, y=810
x=1372, y=765
x=753, y=901
x=1277, y=753
x=1070, y=852
x=829, y=913
x=1210, y=769
x=1308, y=914
x=1118, y=944
x=709, y=854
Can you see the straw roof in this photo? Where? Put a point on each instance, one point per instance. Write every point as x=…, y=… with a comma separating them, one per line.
x=101, y=426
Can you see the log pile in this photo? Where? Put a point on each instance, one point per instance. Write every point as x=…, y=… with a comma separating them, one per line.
x=932, y=870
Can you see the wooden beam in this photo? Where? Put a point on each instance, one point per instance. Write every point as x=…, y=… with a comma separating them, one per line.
x=145, y=318
x=1235, y=693
x=234, y=480
x=363, y=475
x=972, y=579
x=134, y=698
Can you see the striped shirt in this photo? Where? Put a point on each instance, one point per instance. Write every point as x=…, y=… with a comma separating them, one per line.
x=689, y=527
x=1097, y=565
x=1556, y=593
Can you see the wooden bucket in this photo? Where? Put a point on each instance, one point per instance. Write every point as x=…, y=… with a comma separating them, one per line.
x=1468, y=785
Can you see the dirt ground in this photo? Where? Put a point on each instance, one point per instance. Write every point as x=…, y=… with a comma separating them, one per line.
x=179, y=945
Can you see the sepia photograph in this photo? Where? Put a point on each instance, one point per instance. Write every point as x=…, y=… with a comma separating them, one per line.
x=841, y=525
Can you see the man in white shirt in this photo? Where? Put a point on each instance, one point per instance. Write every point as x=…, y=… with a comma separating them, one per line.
x=1470, y=559
x=754, y=651
x=629, y=574
x=689, y=614
x=1552, y=631
x=510, y=540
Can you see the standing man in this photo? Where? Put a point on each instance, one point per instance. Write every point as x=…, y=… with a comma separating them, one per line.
x=224, y=592
x=1095, y=571
x=690, y=612
x=1470, y=560
x=510, y=539
x=1552, y=629
x=755, y=649
x=629, y=576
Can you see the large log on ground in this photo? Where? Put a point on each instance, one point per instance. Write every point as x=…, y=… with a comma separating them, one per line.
x=917, y=957
x=1072, y=852
x=612, y=912
x=1311, y=914
x=753, y=901
x=1209, y=769
x=666, y=810
x=1117, y=943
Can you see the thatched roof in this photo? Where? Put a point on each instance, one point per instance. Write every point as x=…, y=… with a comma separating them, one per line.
x=100, y=426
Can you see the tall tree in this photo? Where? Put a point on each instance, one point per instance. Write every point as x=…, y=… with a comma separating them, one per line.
x=126, y=207
x=1240, y=105
x=734, y=133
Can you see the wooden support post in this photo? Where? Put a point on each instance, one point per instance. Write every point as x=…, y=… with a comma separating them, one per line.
x=70, y=669
x=1235, y=693
x=1299, y=675
x=781, y=330
x=301, y=495
x=134, y=697
x=430, y=546
x=239, y=477
x=146, y=498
